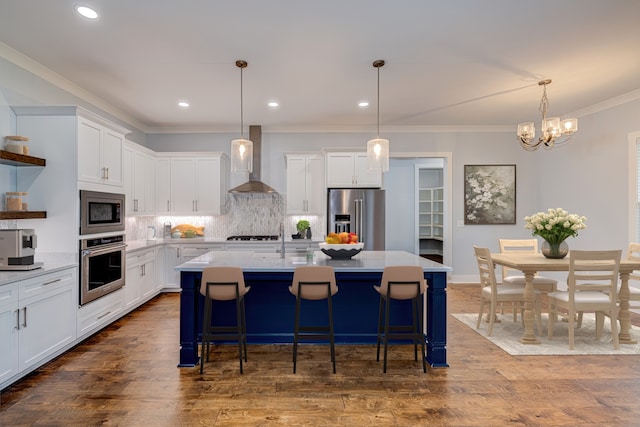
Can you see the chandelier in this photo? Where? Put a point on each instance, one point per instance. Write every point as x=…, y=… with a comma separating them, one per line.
x=555, y=132
x=378, y=148
x=241, y=149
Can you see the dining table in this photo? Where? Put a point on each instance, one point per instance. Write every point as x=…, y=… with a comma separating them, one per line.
x=530, y=264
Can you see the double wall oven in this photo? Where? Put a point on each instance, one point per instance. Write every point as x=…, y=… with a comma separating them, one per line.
x=102, y=244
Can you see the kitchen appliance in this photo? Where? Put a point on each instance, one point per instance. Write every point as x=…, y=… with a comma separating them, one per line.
x=167, y=230
x=358, y=210
x=17, y=250
x=254, y=185
x=101, y=212
x=102, y=266
x=258, y=237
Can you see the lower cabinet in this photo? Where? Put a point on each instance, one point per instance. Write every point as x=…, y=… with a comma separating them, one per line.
x=140, y=280
x=37, y=321
x=176, y=254
x=97, y=314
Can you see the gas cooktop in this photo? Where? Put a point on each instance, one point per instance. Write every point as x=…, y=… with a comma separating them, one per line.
x=259, y=237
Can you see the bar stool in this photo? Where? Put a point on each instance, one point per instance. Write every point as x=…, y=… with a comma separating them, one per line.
x=401, y=283
x=223, y=284
x=314, y=283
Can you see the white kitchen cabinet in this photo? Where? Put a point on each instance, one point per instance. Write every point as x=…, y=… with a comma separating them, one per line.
x=100, y=152
x=97, y=314
x=351, y=170
x=139, y=180
x=48, y=315
x=9, y=332
x=306, y=191
x=197, y=185
x=176, y=254
x=140, y=280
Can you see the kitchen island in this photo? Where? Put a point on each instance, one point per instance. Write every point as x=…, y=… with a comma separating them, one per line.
x=270, y=306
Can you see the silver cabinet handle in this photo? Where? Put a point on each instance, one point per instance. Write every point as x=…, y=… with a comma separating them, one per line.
x=17, y=327
x=104, y=315
x=51, y=282
x=107, y=172
x=168, y=205
x=24, y=316
x=196, y=206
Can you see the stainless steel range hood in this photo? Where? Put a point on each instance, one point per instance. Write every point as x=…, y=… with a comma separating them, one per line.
x=254, y=185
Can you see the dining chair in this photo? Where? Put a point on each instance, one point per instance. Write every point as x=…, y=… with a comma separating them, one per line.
x=314, y=283
x=223, y=284
x=492, y=293
x=401, y=283
x=592, y=287
x=633, y=254
x=515, y=277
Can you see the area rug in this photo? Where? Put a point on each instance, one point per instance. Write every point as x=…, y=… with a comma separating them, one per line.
x=507, y=334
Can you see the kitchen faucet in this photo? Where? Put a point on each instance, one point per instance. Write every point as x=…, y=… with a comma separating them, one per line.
x=282, y=238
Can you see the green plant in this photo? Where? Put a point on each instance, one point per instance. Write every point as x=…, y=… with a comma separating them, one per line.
x=302, y=225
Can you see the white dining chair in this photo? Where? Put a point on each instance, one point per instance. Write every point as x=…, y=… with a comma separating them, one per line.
x=493, y=293
x=593, y=287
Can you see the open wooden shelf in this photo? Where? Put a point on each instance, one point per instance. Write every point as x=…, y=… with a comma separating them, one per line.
x=23, y=215
x=13, y=159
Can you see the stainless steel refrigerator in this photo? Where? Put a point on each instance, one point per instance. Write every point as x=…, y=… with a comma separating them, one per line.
x=360, y=211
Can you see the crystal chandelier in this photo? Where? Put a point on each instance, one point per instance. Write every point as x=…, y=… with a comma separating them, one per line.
x=241, y=149
x=378, y=148
x=555, y=132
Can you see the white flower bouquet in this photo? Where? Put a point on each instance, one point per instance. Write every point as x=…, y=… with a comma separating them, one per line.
x=555, y=225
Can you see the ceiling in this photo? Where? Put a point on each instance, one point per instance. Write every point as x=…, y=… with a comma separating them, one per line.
x=448, y=63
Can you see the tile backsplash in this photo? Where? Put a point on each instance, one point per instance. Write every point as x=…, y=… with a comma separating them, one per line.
x=246, y=214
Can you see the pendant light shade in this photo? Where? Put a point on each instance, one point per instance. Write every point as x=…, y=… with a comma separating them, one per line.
x=241, y=148
x=378, y=148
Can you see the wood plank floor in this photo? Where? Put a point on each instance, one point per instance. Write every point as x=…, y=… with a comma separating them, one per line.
x=104, y=382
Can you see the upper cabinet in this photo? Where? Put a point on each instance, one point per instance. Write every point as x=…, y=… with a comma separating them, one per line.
x=306, y=191
x=351, y=170
x=191, y=183
x=100, y=152
x=139, y=179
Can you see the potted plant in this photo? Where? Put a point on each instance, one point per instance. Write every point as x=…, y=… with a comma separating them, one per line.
x=303, y=228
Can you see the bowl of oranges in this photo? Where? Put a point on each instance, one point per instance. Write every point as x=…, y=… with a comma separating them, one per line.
x=341, y=245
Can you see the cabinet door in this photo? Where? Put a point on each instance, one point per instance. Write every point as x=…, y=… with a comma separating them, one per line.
x=89, y=161
x=149, y=276
x=365, y=177
x=9, y=332
x=139, y=175
x=132, y=293
x=48, y=318
x=207, y=186
x=112, y=146
x=128, y=172
x=316, y=191
x=296, y=184
x=172, y=258
x=163, y=186
x=149, y=184
x=183, y=181
x=340, y=172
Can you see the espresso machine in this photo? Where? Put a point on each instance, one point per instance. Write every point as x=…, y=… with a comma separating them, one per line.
x=17, y=249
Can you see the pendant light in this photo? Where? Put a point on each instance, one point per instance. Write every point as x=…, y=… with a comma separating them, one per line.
x=378, y=148
x=241, y=149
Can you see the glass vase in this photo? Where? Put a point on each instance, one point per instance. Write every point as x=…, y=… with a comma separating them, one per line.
x=555, y=251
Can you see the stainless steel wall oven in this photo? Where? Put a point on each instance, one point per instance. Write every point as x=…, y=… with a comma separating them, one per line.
x=102, y=266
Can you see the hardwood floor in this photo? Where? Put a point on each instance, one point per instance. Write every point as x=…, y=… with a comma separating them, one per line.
x=103, y=382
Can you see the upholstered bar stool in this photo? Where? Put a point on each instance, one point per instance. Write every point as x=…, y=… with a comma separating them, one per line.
x=223, y=284
x=314, y=283
x=401, y=283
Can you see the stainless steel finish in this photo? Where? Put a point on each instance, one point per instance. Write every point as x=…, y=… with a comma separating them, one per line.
x=282, y=239
x=89, y=226
x=105, y=273
x=17, y=249
x=167, y=229
x=254, y=185
x=17, y=327
x=361, y=211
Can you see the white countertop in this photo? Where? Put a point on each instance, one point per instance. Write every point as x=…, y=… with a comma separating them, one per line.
x=136, y=245
x=51, y=262
x=365, y=261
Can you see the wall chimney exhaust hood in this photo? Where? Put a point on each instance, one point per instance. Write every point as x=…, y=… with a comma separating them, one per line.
x=254, y=185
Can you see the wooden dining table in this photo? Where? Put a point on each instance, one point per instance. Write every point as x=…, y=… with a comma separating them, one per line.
x=530, y=264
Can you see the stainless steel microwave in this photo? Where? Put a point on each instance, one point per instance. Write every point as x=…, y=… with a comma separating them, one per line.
x=101, y=212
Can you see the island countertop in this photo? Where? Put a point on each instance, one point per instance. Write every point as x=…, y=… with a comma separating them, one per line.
x=365, y=261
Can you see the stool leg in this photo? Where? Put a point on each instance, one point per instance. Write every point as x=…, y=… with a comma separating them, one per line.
x=206, y=321
x=386, y=331
x=331, y=336
x=421, y=333
x=239, y=330
x=414, y=327
x=244, y=328
x=296, y=329
x=380, y=313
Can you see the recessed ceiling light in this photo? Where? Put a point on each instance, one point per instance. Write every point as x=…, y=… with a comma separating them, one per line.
x=273, y=104
x=86, y=12
x=183, y=104
x=363, y=104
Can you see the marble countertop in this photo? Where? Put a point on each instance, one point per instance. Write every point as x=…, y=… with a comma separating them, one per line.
x=365, y=261
x=51, y=262
x=136, y=245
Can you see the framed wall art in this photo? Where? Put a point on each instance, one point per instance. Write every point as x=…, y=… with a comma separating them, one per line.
x=489, y=194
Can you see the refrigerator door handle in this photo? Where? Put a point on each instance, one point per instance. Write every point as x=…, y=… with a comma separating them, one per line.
x=358, y=219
